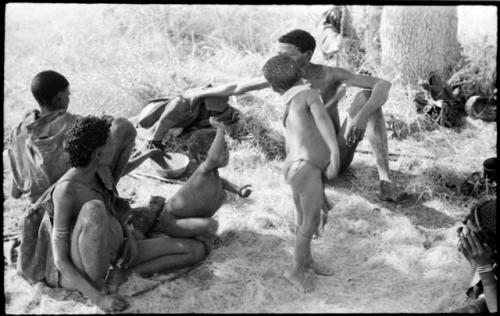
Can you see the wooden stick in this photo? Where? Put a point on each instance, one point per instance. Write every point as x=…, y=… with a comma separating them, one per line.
x=135, y=174
x=170, y=277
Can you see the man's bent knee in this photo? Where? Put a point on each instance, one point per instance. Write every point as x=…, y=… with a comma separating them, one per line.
x=123, y=129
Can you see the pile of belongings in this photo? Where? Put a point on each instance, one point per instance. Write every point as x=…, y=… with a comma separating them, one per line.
x=438, y=102
x=447, y=103
x=481, y=183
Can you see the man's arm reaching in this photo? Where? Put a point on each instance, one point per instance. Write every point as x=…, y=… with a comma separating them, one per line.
x=227, y=90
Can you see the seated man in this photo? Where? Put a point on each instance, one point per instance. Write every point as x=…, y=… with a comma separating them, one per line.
x=188, y=212
x=364, y=114
x=89, y=234
x=35, y=150
x=477, y=242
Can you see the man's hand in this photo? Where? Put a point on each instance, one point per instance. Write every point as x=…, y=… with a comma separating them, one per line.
x=158, y=156
x=355, y=130
x=471, y=247
x=112, y=303
x=245, y=191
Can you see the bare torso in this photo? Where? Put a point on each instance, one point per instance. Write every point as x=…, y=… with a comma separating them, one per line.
x=322, y=79
x=303, y=139
x=203, y=193
x=84, y=193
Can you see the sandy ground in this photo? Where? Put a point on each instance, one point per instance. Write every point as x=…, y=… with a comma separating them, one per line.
x=388, y=258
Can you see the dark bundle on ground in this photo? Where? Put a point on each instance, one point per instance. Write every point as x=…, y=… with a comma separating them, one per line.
x=437, y=101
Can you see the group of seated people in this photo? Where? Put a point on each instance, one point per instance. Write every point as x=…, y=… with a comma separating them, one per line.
x=86, y=236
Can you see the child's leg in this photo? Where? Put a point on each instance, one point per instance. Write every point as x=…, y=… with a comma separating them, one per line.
x=162, y=254
x=186, y=227
x=298, y=208
x=218, y=154
x=307, y=185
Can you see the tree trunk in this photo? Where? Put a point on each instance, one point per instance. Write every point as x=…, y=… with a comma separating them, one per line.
x=416, y=40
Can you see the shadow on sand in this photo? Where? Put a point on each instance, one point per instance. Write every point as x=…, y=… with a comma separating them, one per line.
x=362, y=179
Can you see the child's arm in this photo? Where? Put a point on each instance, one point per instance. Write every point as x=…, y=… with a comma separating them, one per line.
x=243, y=191
x=327, y=130
x=156, y=155
x=229, y=89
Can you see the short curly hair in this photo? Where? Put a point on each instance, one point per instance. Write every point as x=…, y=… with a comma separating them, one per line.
x=303, y=40
x=282, y=72
x=84, y=137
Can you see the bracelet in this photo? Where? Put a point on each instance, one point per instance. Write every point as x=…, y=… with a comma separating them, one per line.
x=485, y=269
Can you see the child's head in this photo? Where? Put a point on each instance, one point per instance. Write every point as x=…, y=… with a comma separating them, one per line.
x=87, y=139
x=51, y=90
x=282, y=72
x=297, y=44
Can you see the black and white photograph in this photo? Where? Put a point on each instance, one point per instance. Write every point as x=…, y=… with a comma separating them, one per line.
x=250, y=158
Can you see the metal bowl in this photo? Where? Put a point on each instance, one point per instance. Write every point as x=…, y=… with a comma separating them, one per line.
x=490, y=168
x=177, y=166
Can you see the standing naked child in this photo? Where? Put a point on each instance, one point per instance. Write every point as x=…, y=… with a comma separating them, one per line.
x=312, y=149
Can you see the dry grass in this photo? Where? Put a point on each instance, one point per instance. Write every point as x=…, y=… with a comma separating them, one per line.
x=389, y=258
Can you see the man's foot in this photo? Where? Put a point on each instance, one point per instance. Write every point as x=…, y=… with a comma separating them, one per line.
x=298, y=279
x=319, y=268
x=156, y=144
x=389, y=192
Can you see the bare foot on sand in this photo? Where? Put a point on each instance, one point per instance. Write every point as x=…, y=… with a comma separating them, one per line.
x=298, y=279
x=389, y=192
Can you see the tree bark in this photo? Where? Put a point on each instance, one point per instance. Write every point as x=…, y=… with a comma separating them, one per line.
x=417, y=40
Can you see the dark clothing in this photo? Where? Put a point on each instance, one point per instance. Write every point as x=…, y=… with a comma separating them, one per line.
x=36, y=152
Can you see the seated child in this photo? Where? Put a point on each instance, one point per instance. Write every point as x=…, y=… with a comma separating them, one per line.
x=312, y=153
x=188, y=212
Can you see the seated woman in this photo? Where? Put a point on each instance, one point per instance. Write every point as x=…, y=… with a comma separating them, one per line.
x=478, y=244
x=89, y=235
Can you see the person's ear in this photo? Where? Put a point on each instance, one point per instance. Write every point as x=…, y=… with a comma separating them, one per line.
x=97, y=154
x=309, y=54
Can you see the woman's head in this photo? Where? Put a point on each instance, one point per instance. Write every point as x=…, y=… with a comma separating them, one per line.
x=88, y=139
